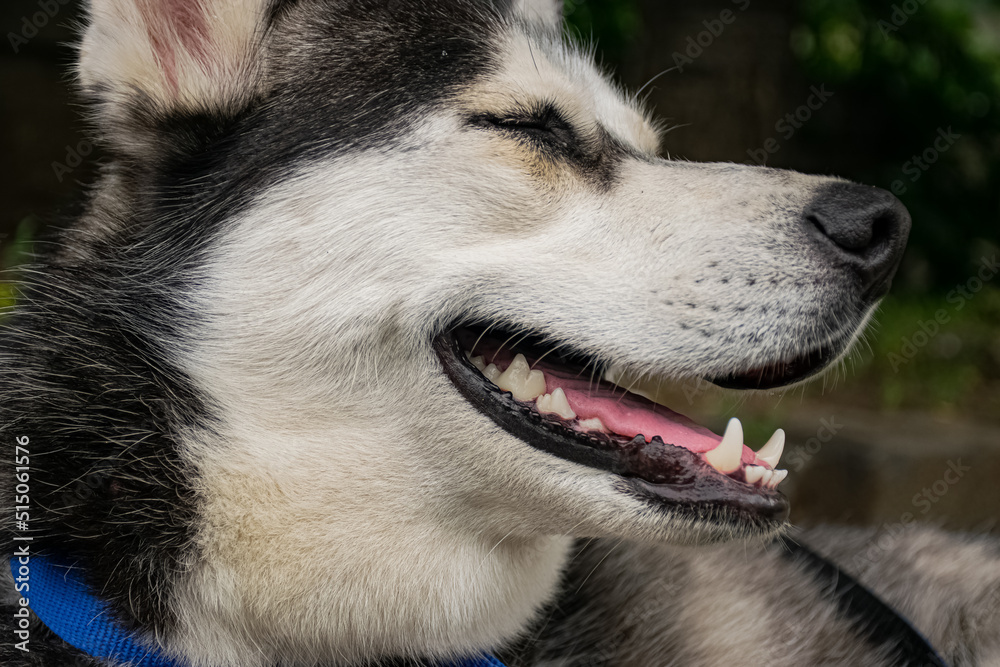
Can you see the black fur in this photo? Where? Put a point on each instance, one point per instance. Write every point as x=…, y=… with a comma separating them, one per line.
x=86, y=358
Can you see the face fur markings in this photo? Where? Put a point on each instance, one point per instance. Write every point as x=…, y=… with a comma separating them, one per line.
x=578, y=118
x=465, y=219
x=364, y=328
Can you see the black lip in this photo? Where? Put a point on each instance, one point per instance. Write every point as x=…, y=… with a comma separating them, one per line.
x=656, y=471
x=782, y=373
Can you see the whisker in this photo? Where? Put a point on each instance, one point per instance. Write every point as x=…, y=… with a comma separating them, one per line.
x=539, y=359
x=654, y=78
x=502, y=345
x=485, y=331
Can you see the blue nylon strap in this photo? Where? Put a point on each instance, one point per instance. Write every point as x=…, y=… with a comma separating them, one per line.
x=60, y=598
x=484, y=661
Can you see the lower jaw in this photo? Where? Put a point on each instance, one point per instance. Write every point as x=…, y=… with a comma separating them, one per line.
x=669, y=478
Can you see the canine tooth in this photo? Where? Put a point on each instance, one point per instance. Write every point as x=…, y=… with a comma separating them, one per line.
x=726, y=456
x=779, y=476
x=492, y=373
x=771, y=452
x=522, y=382
x=478, y=362
x=560, y=405
x=556, y=403
x=755, y=474
x=593, y=424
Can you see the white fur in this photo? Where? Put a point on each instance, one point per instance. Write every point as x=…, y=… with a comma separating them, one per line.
x=355, y=503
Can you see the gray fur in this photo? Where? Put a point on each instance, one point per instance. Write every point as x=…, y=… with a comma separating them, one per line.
x=646, y=604
x=289, y=219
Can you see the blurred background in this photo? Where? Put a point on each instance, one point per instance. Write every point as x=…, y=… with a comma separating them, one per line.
x=903, y=95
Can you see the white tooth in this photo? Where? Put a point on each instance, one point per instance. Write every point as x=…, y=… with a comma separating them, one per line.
x=726, y=457
x=512, y=378
x=522, y=382
x=754, y=474
x=492, y=373
x=478, y=362
x=612, y=374
x=779, y=476
x=535, y=385
x=593, y=424
x=768, y=475
x=555, y=403
x=771, y=452
x=559, y=405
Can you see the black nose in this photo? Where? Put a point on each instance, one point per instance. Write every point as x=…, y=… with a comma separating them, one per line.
x=862, y=227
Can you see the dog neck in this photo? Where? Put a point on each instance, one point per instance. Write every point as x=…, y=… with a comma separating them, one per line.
x=61, y=600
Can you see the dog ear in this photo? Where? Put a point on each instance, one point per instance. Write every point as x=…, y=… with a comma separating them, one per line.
x=547, y=12
x=190, y=55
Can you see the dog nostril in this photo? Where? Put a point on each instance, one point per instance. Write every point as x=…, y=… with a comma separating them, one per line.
x=849, y=237
x=860, y=226
x=882, y=231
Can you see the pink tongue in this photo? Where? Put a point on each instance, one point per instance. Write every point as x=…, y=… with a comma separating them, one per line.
x=621, y=412
x=630, y=415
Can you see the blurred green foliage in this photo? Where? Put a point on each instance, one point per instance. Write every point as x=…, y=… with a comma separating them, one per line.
x=14, y=252
x=612, y=25
x=904, y=72
x=901, y=72
x=937, y=355
x=914, y=357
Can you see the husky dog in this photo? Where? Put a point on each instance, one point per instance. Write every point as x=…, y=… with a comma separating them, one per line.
x=336, y=367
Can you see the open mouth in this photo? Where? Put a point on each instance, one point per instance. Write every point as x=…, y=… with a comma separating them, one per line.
x=566, y=405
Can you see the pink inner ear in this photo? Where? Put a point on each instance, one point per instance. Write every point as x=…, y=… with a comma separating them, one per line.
x=174, y=24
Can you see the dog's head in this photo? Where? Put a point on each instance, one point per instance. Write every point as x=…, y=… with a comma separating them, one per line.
x=414, y=246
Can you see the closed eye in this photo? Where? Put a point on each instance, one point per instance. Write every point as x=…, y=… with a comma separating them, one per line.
x=544, y=124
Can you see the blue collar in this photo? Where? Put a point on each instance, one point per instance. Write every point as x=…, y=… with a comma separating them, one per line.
x=59, y=597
